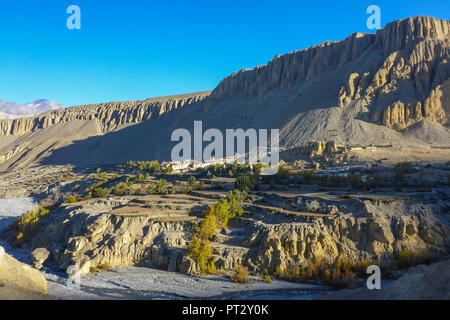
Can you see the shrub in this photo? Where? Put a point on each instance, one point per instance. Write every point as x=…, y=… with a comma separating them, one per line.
x=257, y=168
x=199, y=186
x=139, y=178
x=101, y=268
x=407, y=258
x=404, y=167
x=237, y=169
x=162, y=187
x=29, y=224
x=340, y=275
x=283, y=173
x=72, y=199
x=168, y=170
x=265, y=273
x=240, y=275
x=354, y=180
x=154, y=166
x=121, y=189
x=185, y=190
x=234, y=200
x=211, y=267
x=216, y=169
x=292, y=273
x=306, y=173
x=192, y=181
x=268, y=279
x=151, y=189
x=33, y=216
x=401, y=169
x=100, y=192
x=244, y=183
x=277, y=271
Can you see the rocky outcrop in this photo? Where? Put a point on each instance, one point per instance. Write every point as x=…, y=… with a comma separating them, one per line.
x=296, y=67
x=358, y=230
x=399, y=34
x=400, y=74
x=328, y=152
x=39, y=256
x=110, y=115
x=14, y=274
x=92, y=237
x=11, y=153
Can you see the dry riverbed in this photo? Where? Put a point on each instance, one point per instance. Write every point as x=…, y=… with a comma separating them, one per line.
x=146, y=283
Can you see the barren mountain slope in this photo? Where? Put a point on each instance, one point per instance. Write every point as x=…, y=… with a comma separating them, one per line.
x=27, y=141
x=367, y=89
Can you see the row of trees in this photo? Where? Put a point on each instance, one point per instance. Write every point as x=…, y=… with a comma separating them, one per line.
x=216, y=216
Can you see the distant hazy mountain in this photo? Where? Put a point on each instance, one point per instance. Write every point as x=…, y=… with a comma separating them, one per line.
x=11, y=110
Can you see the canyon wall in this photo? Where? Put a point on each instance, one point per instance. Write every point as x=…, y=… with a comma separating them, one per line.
x=110, y=115
x=400, y=73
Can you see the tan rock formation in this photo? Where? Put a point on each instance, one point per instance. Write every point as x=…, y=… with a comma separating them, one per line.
x=408, y=58
x=371, y=231
x=19, y=275
x=89, y=236
x=111, y=115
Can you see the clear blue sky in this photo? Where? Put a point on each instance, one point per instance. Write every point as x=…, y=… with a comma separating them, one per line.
x=135, y=49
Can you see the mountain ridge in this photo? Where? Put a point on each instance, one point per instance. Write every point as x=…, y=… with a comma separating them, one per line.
x=379, y=89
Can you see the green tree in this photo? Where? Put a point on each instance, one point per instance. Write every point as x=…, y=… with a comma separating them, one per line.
x=72, y=199
x=257, y=168
x=192, y=181
x=208, y=227
x=100, y=192
x=200, y=251
x=244, y=183
x=139, y=178
x=162, y=187
x=283, y=173
x=234, y=200
x=121, y=189
x=168, y=170
x=155, y=166
x=221, y=211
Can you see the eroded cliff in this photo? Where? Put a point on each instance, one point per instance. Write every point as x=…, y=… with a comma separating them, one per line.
x=400, y=73
x=110, y=115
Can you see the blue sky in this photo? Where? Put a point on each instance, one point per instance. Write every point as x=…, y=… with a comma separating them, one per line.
x=129, y=50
